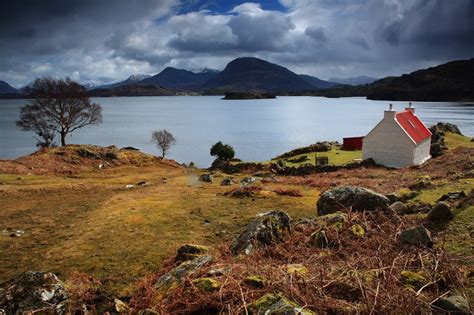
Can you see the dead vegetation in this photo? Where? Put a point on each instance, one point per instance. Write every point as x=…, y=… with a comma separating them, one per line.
x=73, y=159
x=370, y=273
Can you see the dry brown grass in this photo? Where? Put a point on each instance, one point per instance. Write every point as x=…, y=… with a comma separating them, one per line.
x=357, y=274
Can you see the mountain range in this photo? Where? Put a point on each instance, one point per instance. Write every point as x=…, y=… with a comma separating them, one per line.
x=6, y=88
x=453, y=81
x=362, y=79
x=253, y=74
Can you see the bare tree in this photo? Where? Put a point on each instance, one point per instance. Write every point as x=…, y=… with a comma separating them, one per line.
x=58, y=106
x=163, y=140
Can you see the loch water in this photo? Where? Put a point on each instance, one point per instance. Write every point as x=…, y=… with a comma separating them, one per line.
x=257, y=129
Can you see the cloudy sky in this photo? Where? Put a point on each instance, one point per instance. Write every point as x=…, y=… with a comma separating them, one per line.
x=102, y=41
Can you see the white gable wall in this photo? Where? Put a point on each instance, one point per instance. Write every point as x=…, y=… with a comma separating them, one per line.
x=422, y=152
x=388, y=144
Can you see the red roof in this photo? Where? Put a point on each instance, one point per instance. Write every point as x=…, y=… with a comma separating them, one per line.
x=413, y=126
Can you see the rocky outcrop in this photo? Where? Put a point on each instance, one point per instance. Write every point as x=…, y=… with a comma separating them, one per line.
x=268, y=228
x=355, y=198
x=437, y=137
x=33, y=291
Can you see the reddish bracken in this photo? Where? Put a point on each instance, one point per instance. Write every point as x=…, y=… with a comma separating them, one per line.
x=355, y=274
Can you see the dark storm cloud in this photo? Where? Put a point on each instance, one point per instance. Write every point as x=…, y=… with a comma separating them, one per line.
x=108, y=40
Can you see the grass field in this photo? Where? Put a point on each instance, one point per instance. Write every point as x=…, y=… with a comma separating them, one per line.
x=90, y=222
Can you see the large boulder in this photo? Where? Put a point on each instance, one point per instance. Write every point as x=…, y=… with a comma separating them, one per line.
x=33, y=291
x=418, y=236
x=268, y=228
x=356, y=198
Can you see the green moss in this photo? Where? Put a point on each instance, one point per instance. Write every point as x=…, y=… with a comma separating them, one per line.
x=336, y=219
x=413, y=280
x=357, y=230
x=256, y=281
x=207, y=284
x=297, y=269
x=276, y=303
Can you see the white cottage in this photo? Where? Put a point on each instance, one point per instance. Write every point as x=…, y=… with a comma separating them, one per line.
x=400, y=139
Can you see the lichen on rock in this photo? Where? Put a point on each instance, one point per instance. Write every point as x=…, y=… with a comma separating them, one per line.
x=190, y=251
x=272, y=303
x=174, y=277
x=355, y=198
x=207, y=284
x=268, y=228
x=256, y=281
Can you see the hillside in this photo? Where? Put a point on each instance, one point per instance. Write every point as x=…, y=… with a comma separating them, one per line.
x=253, y=74
x=363, y=79
x=6, y=88
x=133, y=90
x=180, y=79
x=453, y=81
x=108, y=222
x=318, y=83
x=133, y=79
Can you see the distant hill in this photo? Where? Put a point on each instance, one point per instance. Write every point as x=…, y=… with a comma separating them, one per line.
x=452, y=81
x=133, y=90
x=253, y=74
x=6, y=88
x=363, y=79
x=180, y=79
x=318, y=83
x=134, y=78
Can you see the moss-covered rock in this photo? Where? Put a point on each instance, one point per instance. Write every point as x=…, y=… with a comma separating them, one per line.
x=190, y=251
x=297, y=269
x=356, y=198
x=413, y=280
x=272, y=303
x=33, y=292
x=173, y=278
x=256, y=281
x=207, y=284
x=336, y=219
x=268, y=228
x=319, y=239
x=357, y=230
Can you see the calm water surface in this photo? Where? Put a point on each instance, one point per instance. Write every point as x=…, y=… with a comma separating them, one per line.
x=257, y=129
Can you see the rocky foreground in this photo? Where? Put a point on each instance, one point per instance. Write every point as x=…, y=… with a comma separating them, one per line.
x=363, y=239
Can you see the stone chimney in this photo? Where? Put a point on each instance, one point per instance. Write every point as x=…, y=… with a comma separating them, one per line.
x=410, y=108
x=390, y=113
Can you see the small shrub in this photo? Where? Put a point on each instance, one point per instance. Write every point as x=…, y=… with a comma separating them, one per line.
x=222, y=151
